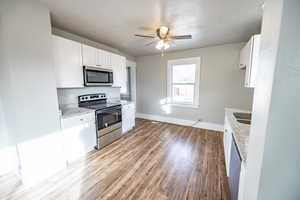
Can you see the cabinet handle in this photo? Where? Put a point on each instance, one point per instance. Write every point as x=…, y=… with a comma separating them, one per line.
x=81, y=119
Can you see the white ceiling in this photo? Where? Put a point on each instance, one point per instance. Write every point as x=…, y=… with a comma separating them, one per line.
x=114, y=22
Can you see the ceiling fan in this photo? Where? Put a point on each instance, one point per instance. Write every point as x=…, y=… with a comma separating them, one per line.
x=163, y=38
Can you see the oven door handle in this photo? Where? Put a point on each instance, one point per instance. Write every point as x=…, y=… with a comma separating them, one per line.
x=109, y=110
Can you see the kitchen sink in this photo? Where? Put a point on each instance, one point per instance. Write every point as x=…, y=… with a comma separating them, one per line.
x=244, y=121
x=242, y=116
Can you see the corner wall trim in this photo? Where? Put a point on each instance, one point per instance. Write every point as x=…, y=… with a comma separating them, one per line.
x=184, y=122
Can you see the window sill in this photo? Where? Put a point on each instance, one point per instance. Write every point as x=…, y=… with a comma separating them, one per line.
x=183, y=105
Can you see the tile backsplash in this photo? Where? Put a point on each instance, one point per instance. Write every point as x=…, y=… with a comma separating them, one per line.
x=70, y=96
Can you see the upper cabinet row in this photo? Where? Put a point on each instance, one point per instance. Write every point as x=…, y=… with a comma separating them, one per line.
x=96, y=57
x=70, y=56
x=249, y=57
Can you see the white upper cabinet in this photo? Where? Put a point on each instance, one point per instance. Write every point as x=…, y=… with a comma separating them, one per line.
x=103, y=59
x=89, y=55
x=92, y=56
x=67, y=63
x=70, y=56
x=120, y=73
x=249, y=58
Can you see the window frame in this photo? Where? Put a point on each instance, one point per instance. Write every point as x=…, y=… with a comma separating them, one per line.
x=184, y=61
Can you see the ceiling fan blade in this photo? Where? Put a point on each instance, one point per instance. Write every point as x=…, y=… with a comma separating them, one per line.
x=147, y=29
x=172, y=42
x=180, y=37
x=148, y=44
x=145, y=36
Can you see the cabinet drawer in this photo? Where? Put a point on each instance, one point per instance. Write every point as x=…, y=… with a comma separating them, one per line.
x=78, y=120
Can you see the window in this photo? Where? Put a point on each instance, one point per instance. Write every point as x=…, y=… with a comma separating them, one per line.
x=183, y=81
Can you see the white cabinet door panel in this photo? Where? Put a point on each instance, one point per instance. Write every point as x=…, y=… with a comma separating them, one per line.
x=79, y=136
x=242, y=182
x=227, y=140
x=128, y=117
x=89, y=55
x=249, y=60
x=67, y=63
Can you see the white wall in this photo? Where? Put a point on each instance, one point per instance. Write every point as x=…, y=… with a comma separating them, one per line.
x=28, y=92
x=273, y=163
x=221, y=84
x=27, y=45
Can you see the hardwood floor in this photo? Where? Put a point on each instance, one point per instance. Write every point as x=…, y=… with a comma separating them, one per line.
x=155, y=161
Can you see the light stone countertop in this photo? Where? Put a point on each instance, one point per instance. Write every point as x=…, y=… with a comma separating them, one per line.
x=240, y=132
x=69, y=111
x=125, y=102
x=73, y=110
x=122, y=102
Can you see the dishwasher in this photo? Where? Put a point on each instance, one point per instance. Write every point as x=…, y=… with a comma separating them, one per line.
x=235, y=169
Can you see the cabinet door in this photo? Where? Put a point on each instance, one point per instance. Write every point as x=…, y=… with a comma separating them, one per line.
x=242, y=182
x=227, y=145
x=254, y=61
x=116, y=66
x=108, y=59
x=125, y=118
x=67, y=63
x=123, y=75
x=104, y=59
x=89, y=55
x=131, y=115
x=245, y=55
x=249, y=59
x=79, y=136
x=120, y=72
x=100, y=58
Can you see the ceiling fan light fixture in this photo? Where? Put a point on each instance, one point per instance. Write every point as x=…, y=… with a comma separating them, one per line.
x=166, y=45
x=164, y=30
x=160, y=45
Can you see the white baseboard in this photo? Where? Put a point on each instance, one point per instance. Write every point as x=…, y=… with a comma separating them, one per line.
x=184, y=122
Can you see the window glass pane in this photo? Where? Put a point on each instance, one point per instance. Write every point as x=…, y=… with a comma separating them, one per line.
x=183, y=94
x=184, y=73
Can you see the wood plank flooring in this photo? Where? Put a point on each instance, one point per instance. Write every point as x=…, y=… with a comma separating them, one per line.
x=155, y=161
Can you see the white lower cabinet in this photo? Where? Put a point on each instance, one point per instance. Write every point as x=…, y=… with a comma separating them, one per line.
x=242, y=182
x=234, y=176
x=227, y=140
x=79, y=135
x=128, y=117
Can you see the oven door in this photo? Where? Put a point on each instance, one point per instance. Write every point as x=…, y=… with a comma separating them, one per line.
x=94, y=76
x=108, y=119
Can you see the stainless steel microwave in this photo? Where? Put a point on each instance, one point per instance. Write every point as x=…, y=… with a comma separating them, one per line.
x=94, y=76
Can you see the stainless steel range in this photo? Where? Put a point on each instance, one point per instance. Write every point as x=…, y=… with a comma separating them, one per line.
x=108, y=117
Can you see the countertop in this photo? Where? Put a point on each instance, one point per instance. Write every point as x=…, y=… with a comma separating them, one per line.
x=67, y=112
x=124, y=102
x=240, y=132
x=73, y=110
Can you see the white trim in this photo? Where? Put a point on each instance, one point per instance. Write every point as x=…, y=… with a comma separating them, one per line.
x=184, y=122
x=193, y=60
x=183, y=105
